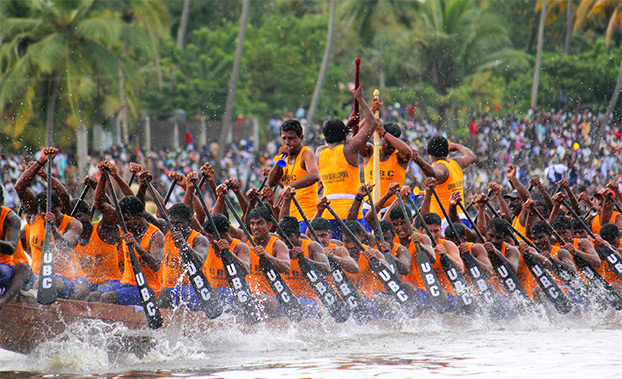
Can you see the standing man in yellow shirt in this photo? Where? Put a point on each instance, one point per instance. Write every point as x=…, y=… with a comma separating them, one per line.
x=300, y=173
x=338, y=162
x=446, y=171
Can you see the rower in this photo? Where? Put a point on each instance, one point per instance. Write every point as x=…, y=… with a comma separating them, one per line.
x=333, y=248
x=15, y=272
x=176, y=287
x=300, y=171
x=580, y=246
x=69, y=282
x=610, y=233
x=338, y=161
x=606, y=213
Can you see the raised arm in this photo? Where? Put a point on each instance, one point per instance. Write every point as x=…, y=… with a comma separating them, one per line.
x=520, y=188
x=467, y=157
x=428, y=183
x=107, y=229
x=367, y=128
x=22, y=186
x=535, y=181
x=504, y=209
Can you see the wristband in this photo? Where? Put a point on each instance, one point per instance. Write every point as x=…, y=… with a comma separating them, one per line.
x=40, y=164
x=358, y=198
x=385, y=132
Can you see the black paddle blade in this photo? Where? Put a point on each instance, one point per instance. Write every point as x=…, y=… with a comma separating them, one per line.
x=410, y=304
x=46, y=293
x=490, y=301
x=510, y=282
x=551, y=290
x=147, y=296
x=292, y=307
x=609, y=256
x=464, y=295
x=327, y=295
x=436, y=294
x=240, y=290
x=349, y=294
x=208, y=297
x=600, y=288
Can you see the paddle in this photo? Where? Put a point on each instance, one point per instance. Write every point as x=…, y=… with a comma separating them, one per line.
x=464, y=295
x=46, y=293
x=345, y=287
x=85, y=190
x=436, y=293
x=508, y=278
x=237, y=280
x=550, y=289
x=380, y=236
x=357, y=83
x=478, y=278
x=170, y=191
x=410, y=305
x=208, y=297
x=292, y=307
x=327, y=295
x=147, y=296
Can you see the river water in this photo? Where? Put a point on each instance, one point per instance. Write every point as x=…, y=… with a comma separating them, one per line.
x=431, y=346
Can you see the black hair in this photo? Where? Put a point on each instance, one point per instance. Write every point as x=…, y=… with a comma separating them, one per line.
x=500, y=226
x=396, y=213
x=42, y=198
x=430, y=219
x=131, y=205
x=540, y=203
x=221, y=222
x=354, y=226
x=460, y=229
x=438, y=147
x=321, y=223
x=181, y=210
x=609, y=232
x=393, y=129
x=260, y=213
x=577, y=224
x=292, y=126
x=386, y=226
x=290, y=225
x=82, y=207
x=334, y=131
x=540, y=227
x=561, y=223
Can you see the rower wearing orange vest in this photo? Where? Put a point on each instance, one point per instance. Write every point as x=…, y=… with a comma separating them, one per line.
x=394, y=158
x=338, y=161
x=446, y=171
x=331, y=249
x=604, y=203
x=272, y=249
x=69, y=281
x=311, y=250
x=579, y=246
x=213, y=267
x=610, y=233
x=15, y=274
x=176, y=287
x=300, y=172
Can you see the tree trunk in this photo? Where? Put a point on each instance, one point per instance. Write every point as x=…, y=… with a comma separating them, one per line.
x=569, y=17
x=536, y=74
x=315, y=98
x=50, y=112
x=225, y=136
x=158, y=66
x=612, y=103
x=82, y=150
x=183, y=24
x=123, y=112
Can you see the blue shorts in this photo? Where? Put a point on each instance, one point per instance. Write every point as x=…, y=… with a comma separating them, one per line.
x=302, y=225
x=128, y=294
x=6, y=275
x=111, y=284
x=336, y=230
x=185, y=294
x=69, y=285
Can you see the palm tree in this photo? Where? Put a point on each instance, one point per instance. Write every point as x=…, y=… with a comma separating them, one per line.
x=608, y=12
x=315, y=98
x=536, y=73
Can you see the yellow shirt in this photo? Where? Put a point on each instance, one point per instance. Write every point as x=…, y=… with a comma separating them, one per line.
x=306, y=196
x=340, y=179
x=445, y=189
x=390, y=171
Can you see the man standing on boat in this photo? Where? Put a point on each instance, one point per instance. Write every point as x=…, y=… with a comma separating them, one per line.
x=300, y=173
x=69, y=282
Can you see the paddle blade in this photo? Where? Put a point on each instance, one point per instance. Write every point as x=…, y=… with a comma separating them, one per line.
x=46, y=293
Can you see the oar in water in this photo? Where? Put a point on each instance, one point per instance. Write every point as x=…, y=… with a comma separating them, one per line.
x=466, y=297
x=539, y=273
x=208, y=297
x=237, y=281
x=436, y=293
x=292, y=307
x=345, y=287
x=327, y=295
x=147, y=296
x=46, y=293
x=478, y=278
x=410, y=305
x=506, y=276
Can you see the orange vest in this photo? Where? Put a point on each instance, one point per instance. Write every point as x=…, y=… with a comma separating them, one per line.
x=4, y=258
x=390, y=171
x=98, y=259
x=214, y=269
x=445, y=189
x=596, y=222
x=440, y=273
x=523, y=275
x=172, y=270
x=555, y=254
x=364, y=278
x=151, y=277
x=519, y=228
x=22, y=252
x=340, y=179
x=70, y=269
x=295, y=280
x=414, y=275
x=257, y=282
x=306, y=196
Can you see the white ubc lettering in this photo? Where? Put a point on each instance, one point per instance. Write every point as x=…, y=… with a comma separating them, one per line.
x=47, y=283
x=144, y=294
